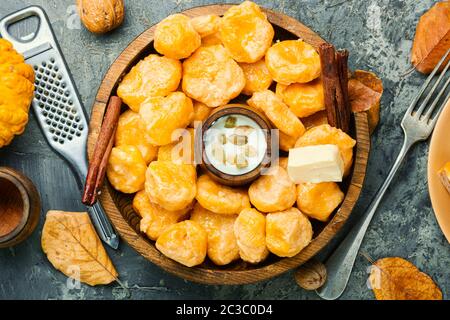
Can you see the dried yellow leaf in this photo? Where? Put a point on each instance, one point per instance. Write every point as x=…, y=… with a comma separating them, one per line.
x=398, y=279
x=72, y=246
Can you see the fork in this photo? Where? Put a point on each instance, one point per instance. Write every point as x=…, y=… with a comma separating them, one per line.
x=417, y=124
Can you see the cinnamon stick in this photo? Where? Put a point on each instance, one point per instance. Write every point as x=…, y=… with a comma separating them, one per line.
x=330, y=81
x=102, y=171
x=97, y=166
x=335, y=85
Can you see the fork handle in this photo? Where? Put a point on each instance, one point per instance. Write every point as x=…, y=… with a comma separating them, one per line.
x=340, y=264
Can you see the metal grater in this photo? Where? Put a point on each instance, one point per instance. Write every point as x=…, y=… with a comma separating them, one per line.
x=57, y=105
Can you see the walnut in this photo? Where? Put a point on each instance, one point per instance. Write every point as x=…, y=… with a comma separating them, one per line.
x=311, y=276
x=101, y=16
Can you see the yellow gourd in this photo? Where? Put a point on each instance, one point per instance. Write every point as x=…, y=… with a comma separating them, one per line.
x=16, y=92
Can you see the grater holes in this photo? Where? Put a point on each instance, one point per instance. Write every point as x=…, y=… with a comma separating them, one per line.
x=54, y=98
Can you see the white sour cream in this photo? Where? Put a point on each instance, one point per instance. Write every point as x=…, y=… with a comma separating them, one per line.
x=235, y=144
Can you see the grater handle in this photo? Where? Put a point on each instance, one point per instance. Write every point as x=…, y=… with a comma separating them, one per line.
x=101, y=222
x=41, y=39
x=98, y=215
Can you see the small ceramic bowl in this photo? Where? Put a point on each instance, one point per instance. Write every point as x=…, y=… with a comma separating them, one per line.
x=236, y=110
x=19, y=207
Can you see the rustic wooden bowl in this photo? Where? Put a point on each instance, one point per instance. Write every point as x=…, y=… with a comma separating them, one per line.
x=19, y=207
x=260, y=119
x=118, y=205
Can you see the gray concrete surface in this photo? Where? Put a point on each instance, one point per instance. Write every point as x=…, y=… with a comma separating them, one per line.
x=379, y=35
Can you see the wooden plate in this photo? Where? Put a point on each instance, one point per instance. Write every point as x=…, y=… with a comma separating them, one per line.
x=118, y=206
x=438, y=156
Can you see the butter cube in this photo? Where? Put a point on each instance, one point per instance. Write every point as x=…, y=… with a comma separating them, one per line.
x=321, y=163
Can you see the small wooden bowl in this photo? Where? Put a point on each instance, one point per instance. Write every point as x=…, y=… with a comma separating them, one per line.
x=118, y=205
x=255, y=115
x=19, y=207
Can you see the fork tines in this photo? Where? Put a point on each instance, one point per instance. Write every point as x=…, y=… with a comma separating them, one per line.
x=424, y=111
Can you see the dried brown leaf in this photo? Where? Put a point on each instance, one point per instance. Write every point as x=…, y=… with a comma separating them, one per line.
x=73, y=247
x=398, y=279
x=432, y=38
x=365, y=90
